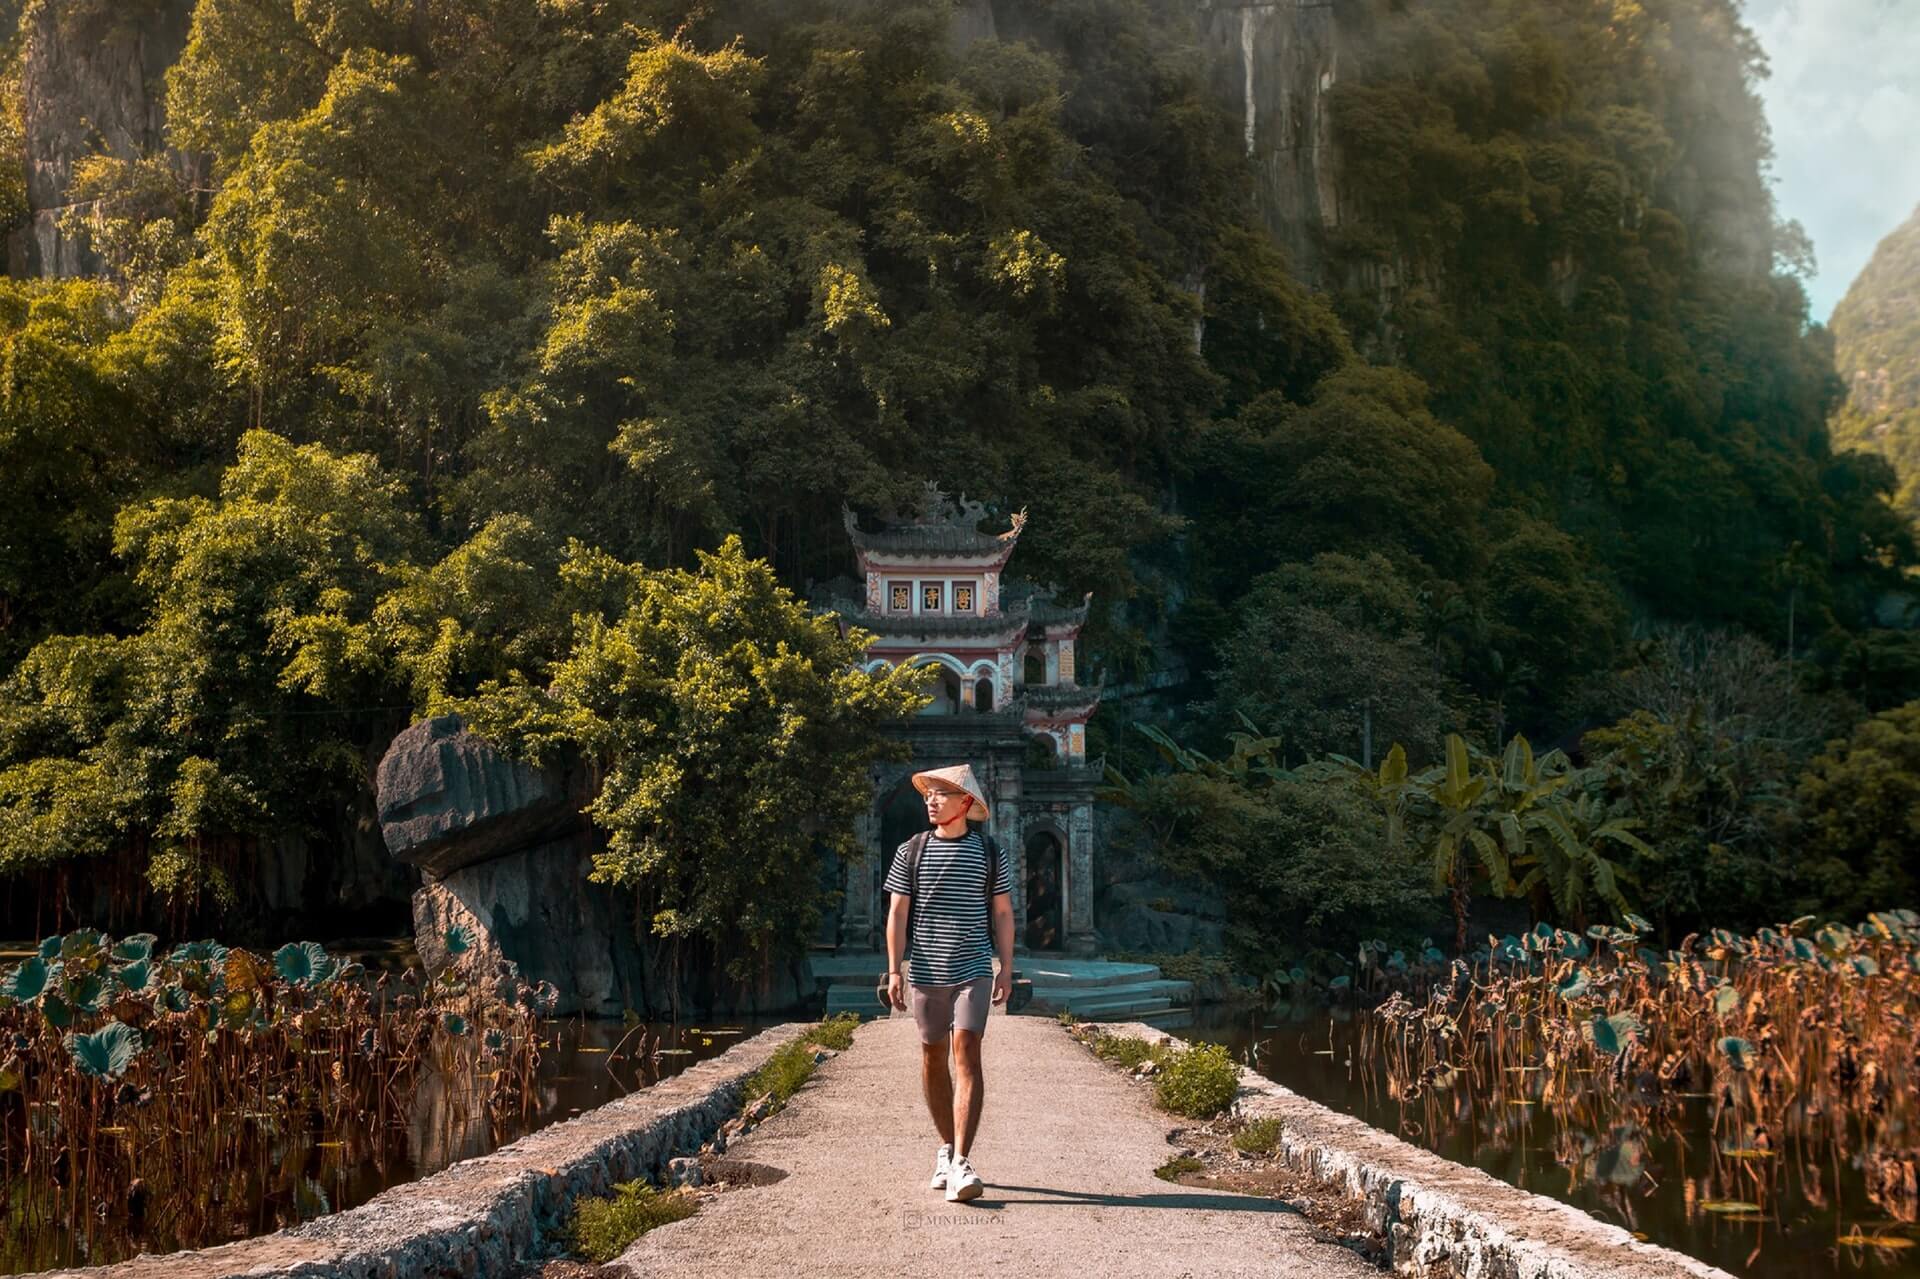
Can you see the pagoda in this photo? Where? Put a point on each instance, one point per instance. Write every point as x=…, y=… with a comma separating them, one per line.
x=932, y=589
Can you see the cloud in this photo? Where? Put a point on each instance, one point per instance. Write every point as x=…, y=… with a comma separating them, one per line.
x=1843, y=102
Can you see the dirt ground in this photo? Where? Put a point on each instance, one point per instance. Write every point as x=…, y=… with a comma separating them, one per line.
x=1335, y=1216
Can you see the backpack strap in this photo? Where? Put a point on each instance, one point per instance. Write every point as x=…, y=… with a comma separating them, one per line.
x=915, y=846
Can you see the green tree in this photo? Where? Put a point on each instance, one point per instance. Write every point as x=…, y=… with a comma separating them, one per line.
x=732, y=729
x=1328, y=656
x=1861, y=802
x=243, y=704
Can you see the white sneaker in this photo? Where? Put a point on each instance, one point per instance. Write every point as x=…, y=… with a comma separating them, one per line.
x=963, y=1182
x=942, y=1163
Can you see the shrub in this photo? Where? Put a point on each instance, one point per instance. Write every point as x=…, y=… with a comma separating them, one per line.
x=602, y=1229
x=1258, y=1136
x=1125, y=1049
x=836, y=1032
x=1199, y=1081
x=1171, y=1170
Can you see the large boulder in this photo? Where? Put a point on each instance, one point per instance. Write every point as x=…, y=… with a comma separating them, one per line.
x=449, y=800
x=537, y=908
x=505, y=852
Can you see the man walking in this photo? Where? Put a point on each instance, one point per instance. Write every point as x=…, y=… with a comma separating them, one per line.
x=944, y=891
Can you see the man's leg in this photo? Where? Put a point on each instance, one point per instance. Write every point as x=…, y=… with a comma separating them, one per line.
x=933, y=1015
x=969, y=1024
x=969, y=1091
x=937, y=1082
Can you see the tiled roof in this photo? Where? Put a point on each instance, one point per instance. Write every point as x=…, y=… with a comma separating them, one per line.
x=947, y=533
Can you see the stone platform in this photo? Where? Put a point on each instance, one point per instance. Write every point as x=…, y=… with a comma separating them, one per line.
x=1091, y=989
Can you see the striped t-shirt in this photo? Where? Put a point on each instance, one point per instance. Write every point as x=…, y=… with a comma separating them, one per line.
x=950, y=941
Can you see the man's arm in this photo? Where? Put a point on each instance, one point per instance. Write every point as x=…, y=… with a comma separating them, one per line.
x=1003, y=933
x=897, y=932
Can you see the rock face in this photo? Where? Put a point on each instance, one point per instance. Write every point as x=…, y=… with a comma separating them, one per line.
x=1276, y=61
x=505, y=851
x=93, y=83
x=1139, y=909
x=448, y=800
x=536, y=908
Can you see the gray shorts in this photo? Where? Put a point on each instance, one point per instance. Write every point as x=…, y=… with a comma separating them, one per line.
x=939, y=1010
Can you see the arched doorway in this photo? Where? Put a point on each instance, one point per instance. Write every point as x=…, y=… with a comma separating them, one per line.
x=1046, y=892
x=983, y=694
x=945, y=691
x=903, y=816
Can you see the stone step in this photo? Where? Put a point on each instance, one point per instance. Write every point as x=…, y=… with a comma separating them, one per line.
x=842, y=999
x=855, y=969
x=1053, y=999
x=1127, y=1009
x=1084, y=974
x=1171, y=1019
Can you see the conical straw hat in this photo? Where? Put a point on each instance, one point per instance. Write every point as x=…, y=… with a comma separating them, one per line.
x=961, y=778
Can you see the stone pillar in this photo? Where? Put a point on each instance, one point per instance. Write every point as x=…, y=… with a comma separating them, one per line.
x=1007, y=833
x=1079, y=915
x=859, y=930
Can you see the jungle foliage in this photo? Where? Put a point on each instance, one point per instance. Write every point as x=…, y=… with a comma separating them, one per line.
x=520, y=346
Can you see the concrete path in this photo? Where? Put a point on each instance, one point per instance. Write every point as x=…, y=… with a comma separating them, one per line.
x=1067, y=1147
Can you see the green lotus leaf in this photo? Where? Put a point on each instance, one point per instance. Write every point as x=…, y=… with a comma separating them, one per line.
x=1574, y=985
x=81, y=943
x=1638, y=924
x=1866, y=966
x=304, y=963
x=49, y=947
x=1725, y=1000
x=454, y=1023
x=173, y=999
x=211, y=952
x=1738, y=1051
x=26, y=980
x=1612, y=1033
x=138, y=946
x=136, y=976
x=55, y=1009
x=495, y=1041
x=107, y=1052
x=87, y=992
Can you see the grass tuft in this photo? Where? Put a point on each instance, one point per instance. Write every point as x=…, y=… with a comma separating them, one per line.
x=1171, y=1170
x=836, y=1032
x=602, y=1229
x=1258, y=1136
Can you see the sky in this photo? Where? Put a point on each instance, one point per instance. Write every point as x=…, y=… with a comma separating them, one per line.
x=1843, y=101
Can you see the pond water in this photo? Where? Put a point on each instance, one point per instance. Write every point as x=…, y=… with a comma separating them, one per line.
x=301, y=1174
x=1661, y=1172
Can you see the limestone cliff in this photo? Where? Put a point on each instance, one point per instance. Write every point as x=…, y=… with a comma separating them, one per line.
x=1876, y=333
x=93, y=80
